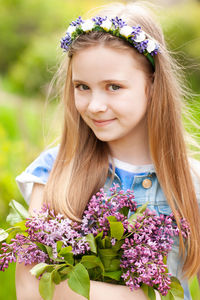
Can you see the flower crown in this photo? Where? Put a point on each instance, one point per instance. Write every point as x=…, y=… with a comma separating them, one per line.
x=117, y=27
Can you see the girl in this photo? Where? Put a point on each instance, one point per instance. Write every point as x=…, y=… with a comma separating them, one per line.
x=122, y=123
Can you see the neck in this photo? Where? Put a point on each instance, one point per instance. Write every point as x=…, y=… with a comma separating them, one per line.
x=134, y=150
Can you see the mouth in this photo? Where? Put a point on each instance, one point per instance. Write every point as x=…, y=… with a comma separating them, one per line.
x=102, y=122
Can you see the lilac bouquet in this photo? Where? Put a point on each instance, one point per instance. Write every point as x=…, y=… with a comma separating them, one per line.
x=116, y=242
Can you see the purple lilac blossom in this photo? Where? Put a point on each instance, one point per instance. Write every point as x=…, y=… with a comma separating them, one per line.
x=145, y=249
x=21, y=247
x=100, y=207
x=45, y=228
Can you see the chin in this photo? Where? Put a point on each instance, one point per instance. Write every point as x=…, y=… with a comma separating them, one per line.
x=106, y=138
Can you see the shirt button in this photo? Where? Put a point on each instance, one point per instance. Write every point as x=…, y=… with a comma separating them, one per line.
x=146, y=183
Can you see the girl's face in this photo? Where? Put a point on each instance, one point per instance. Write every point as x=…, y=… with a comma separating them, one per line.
x=109, y=91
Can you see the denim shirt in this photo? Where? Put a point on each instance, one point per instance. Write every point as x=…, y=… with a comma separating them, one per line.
x=38, y=171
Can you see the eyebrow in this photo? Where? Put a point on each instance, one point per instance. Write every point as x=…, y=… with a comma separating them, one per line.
x=103, y=81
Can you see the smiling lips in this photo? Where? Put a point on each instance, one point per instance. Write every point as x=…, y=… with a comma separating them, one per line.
x=101, y=123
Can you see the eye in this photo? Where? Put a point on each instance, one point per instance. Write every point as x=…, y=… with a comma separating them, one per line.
x=114, y=87
x=81, y=87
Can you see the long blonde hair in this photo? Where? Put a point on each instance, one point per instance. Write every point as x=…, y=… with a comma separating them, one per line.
x=81, y=166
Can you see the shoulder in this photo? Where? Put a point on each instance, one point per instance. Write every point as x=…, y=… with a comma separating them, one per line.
x=37, y=172
x=44, y=161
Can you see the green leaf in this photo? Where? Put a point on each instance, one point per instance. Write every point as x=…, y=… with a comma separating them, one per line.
x=99, y=236
x=133, y=217
x=98, y=239
x=65, y=270
x=139, y=212
x=41, y=247
x=176, y=291
x=106, y=256
x=92, y=243
x=59, y=245
x=117, y=230
x=116, y=275
x=144, y=287
x=69, y=259
x=107, y=242
x=79, y=281
x=21, y=225
x=56, y=277
x=3, y=235
x=92, y=261
x=194, y=288
x=142, y=208
x=12, y=233
x=114, y=265
x=49, y=251
x=124, y=211
x=151, y=293
x=111, y=219
x=38, y=269
x=118, y=245
x=17, y=213
x=46, y=286
x=65, y=250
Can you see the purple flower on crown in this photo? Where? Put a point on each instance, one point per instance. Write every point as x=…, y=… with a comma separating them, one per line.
x=66, y=41
x=136, y=30
x=78, y=21
x=141, y=47
x=156, y=50
x=98, y=20
x=118, y=23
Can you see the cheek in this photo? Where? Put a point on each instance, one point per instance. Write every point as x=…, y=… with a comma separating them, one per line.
x=80, y=105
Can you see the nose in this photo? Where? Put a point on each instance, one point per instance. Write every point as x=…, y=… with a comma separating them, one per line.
x=97, y=103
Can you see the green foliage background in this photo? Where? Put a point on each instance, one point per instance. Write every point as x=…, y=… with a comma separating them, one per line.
x=30, y=32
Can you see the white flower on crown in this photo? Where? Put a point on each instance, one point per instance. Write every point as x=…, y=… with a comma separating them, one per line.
x=151, y=46
x=126, y=31
x=87, y=25
x=140, y=37
x=71, y=29
x=106, y=25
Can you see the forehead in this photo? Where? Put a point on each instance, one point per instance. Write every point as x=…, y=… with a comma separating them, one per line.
x=102, y=60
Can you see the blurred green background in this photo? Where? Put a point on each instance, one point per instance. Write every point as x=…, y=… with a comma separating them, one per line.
x=30, y=31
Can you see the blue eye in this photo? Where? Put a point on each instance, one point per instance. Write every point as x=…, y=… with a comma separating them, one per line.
x=82, y=87
x=114, y=87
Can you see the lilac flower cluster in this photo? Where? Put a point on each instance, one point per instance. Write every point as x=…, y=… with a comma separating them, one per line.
x=115, y=26
x=145, y=239
x=22, y=248
x=45, y=228
x=150, y=240
x=101, y=206
x=48, y=228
